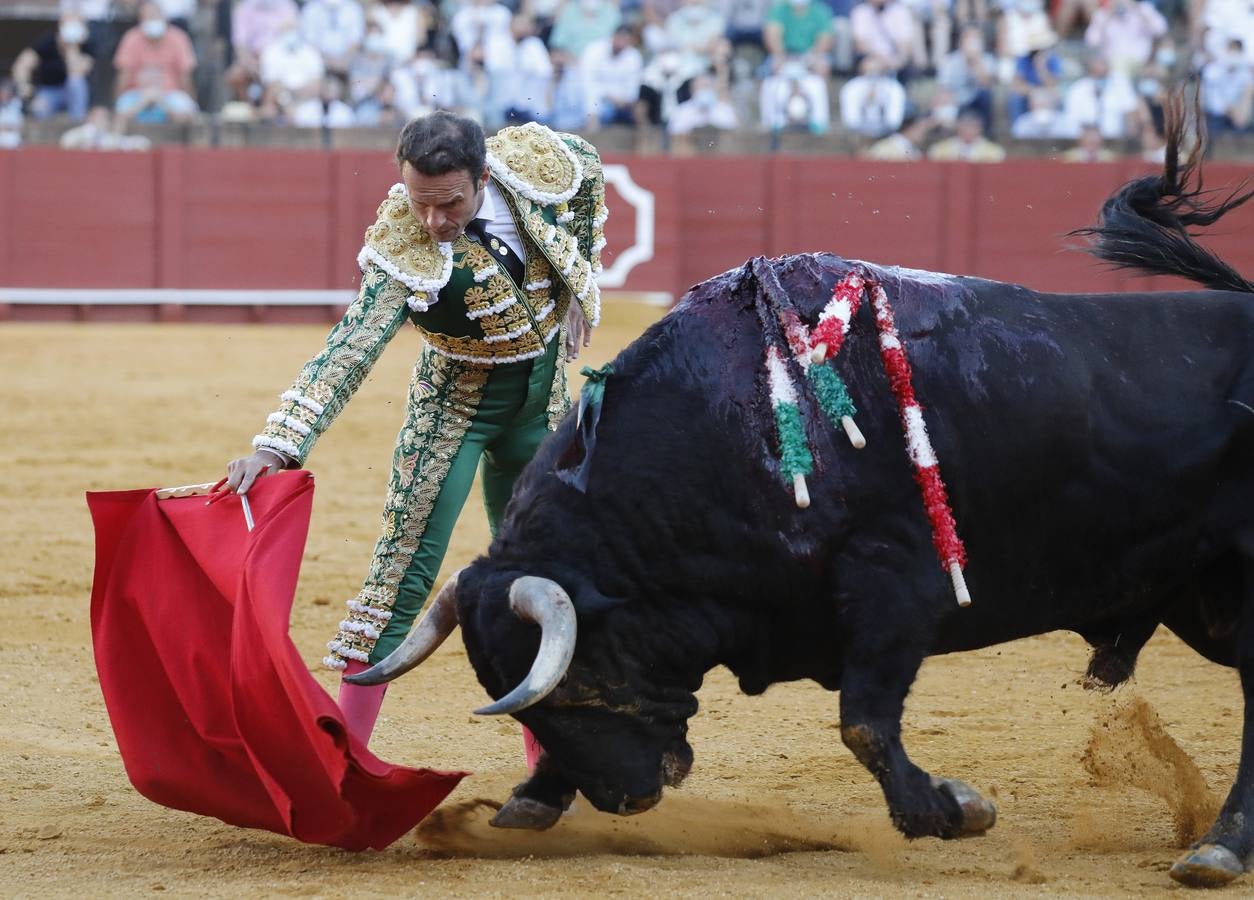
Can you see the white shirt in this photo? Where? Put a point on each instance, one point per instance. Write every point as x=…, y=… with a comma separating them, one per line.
x=293, y=67
x=335, y=27
x=498, y=221
x=610, y=77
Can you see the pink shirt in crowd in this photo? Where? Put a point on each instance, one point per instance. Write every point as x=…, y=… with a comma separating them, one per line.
x=887, y=32
x=256, y=23
x=141, y=61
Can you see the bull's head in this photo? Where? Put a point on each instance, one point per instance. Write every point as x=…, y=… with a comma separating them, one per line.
x=615, y=737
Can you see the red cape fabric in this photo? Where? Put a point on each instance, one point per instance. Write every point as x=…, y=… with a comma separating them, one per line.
x=214, y=710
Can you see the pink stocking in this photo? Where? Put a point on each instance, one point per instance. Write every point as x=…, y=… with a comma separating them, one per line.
x=360, y=704
x=532, y=748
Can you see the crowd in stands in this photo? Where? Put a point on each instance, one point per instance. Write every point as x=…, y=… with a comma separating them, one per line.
x=911, y=78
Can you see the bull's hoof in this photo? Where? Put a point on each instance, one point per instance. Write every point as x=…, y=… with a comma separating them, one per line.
x=1207, y=866
x=523, y=812
x=978, y=814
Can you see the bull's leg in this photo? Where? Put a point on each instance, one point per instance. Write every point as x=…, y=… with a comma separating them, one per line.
x=1227, y=850
x=537, y=803
x=872, y=696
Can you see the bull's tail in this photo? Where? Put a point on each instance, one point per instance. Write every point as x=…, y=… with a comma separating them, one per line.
x=1145, y=224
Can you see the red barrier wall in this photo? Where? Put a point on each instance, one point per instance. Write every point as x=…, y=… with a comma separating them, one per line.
x=198, y=218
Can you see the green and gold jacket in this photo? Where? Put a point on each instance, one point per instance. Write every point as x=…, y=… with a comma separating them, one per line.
x=465, y=305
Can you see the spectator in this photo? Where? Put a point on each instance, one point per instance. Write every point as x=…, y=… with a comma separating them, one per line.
x=154, y=64
x=481, y=29
x=100, y=132
x=794, y=97
x=52, y=72
x=369, y=71
x=745, y=19
x=580, y=23
x=427, y=83
x=1044, y=118
x=326, y=110
x=1223, y=21
x=405, y=26
x=1040, y=68
x=873, y=104
x=936, y=23
x=531, y=84
x=905, y=145
x=336, y=29
x=1109, y=100
x=968, y=143
x=1022, y=31
x=1227, y=87
x=612, y=72
x=107, y=21
x=889, y=31
x=969, y=72
x=1089, y=147
x=708, y=107
x=543, y=13
x=665, y=83
x=569, y=106
x=1123, y=33
x=255, y=25
x=10, y=116
x=654, y=14
x=842, y=35
x=698, y=31
x=291, y=72
x=799, y=30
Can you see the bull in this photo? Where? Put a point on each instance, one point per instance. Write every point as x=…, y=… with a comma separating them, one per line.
x=1099, y=455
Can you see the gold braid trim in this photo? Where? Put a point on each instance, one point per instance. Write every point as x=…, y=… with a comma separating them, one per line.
x=443, y=397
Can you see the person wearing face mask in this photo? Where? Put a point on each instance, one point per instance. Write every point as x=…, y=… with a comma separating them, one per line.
x=1228, y=90
x=708, y=107
x=491, y=249
x=255, y=25
x=52, y=73
x=368, y=72
x=889, y=31
x=154, y=63
x=798, y=36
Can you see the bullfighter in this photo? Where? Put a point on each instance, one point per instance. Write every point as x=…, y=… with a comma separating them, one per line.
x=491, y=249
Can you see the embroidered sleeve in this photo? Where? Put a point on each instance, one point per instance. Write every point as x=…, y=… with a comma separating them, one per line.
x=589, y=213
x=328, y=380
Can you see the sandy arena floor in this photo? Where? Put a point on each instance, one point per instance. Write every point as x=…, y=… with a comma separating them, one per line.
x=106, y=407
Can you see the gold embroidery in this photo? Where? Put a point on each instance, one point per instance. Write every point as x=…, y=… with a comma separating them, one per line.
x=404, y=242
x=534, y=156
x=430, y=440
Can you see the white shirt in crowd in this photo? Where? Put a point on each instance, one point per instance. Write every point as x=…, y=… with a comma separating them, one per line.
x=488, y=25
x=610, y=78
x=531, y=77
x=291, y=63
x=400, y=24
x=1106, y=101
x=334, y=27
x=424, y=85
x=873, y=105
x=314, y=113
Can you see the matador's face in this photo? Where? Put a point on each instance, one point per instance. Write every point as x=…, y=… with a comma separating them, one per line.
x=446, y=203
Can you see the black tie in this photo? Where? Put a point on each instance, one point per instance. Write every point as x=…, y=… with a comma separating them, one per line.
x=498, y=249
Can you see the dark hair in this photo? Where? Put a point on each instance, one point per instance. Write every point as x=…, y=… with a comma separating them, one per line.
x=440, y=143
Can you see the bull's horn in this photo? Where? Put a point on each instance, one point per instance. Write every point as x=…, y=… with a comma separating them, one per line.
x=436, y=625
x=544, y=602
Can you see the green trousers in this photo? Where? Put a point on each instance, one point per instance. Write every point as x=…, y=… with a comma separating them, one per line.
x=460, y=418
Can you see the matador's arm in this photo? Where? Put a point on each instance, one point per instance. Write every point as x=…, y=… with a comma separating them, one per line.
x=327, y=381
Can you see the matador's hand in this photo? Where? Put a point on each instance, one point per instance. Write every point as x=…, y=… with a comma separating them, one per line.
x=241, y=473
x=578, y=331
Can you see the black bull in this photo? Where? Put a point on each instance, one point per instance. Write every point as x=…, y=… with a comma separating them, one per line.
x=1099, y=455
